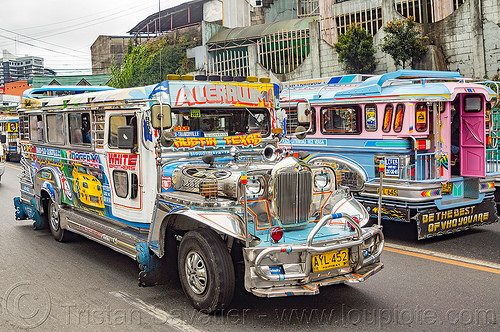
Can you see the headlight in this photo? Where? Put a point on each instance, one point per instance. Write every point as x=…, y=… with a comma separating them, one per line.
x=254, y=186
x=321, y=180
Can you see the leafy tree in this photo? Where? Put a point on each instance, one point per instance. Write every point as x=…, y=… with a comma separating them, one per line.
x=355, y=49
x=403, y=41
x=141, y=64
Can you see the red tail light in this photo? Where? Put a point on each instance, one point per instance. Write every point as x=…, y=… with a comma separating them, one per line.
x=276, y=233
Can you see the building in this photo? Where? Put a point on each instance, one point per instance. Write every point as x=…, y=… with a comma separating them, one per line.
x=17, y=88
x=70, y=80
x=109, y=50
x=19, y=68
x=9, y=102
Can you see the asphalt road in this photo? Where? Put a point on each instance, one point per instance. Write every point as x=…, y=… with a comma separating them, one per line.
x=451, y=282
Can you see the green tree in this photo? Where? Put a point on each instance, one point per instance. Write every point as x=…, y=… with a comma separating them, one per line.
x=403, y=41
x=355, y=49
x=151, y=62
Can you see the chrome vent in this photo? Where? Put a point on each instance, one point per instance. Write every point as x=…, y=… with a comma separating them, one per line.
x=293, y=195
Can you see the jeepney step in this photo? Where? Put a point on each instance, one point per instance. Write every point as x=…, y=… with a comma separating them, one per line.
x=120, y=238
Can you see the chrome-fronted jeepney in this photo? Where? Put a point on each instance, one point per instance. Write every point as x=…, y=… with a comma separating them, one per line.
x=187, y=175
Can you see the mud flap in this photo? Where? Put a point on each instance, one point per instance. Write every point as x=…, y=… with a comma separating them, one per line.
x=153, y=269
x=435, y=223
x=25, y=211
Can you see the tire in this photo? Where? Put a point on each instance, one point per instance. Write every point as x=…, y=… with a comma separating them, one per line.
x=59, y=234
x=206, y=271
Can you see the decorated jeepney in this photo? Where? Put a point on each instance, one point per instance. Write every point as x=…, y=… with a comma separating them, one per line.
x=186, y=176
x=9, y=126
x=420, y=143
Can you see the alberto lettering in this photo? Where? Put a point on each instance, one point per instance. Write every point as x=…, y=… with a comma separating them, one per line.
x=223, y=94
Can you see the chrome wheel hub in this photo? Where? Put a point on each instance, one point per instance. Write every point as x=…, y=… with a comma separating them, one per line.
x=54, y=217
x=196, y=272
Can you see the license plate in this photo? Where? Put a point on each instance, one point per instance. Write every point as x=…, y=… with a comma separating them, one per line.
x=330, y=260
x=388, y=191
x=446, y=188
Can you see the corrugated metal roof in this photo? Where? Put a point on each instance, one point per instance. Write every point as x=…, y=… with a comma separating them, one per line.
x=256, y=31
x=38, y=82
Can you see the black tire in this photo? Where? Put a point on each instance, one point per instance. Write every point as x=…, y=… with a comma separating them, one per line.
x=203, y=251
x=59, y=234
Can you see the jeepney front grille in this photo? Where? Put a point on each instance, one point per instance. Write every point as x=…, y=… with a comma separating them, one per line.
x=293, y=196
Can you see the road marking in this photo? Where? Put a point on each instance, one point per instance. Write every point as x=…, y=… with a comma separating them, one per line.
x=444, y=258
x=14, y=167
x=159, y=314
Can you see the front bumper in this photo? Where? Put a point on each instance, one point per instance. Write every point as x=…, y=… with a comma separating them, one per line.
x=312, y=288
x=285, y=270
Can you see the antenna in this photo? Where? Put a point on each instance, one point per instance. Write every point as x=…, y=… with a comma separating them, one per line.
x=159, y=33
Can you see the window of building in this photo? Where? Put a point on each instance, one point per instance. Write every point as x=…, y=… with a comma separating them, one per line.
x=55, y=128
x=371, y=117
x=398, y=118
x=342, y=119
x=387, y=118
x=79, y=128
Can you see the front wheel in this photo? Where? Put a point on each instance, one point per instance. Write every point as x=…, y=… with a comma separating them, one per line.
x=206, y=271
x=59, y=234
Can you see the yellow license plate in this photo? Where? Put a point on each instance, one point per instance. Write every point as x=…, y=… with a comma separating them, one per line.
x=446, y=188
x=330, y=260
x=388, y=192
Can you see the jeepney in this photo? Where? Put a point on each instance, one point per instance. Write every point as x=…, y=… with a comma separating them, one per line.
x=419, y=141
x=9, y=125
x=186, y=176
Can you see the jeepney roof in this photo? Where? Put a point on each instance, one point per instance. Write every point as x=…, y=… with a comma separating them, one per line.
x=403, y=84
x=166, y=91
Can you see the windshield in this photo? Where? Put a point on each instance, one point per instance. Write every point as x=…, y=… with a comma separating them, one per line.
x=222, y=122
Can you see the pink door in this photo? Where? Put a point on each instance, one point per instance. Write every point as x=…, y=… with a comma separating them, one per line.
x=472, y=136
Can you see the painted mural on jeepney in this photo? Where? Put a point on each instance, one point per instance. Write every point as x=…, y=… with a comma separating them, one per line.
x=84, y=184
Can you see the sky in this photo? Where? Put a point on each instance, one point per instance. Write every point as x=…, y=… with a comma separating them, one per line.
x=62, y=31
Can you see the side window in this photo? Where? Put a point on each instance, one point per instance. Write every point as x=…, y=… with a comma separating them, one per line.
x=341, y=120
x=292, y=121
x=120, y=179
x=387, y=118
x=398, y=118
x=55, y=128
x=79, y=128
x=36, y=128
x=421, y=115
x=371, y=117
x=116, y=121
x=473, y=104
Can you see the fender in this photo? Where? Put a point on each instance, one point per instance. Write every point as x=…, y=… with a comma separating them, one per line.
x=339, y=162
x=185, y=219
x=48, y=179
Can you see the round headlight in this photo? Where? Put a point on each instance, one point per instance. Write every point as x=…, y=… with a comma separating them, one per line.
x=253, y=186
x=321, y=180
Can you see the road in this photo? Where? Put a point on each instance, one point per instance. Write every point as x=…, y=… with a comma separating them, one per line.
x=451, y=282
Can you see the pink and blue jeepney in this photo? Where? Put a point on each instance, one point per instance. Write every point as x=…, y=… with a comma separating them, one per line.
x=426, y=134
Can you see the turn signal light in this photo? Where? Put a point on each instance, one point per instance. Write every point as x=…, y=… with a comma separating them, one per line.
x=209, y=188
x=276, y=233
x=423, y=144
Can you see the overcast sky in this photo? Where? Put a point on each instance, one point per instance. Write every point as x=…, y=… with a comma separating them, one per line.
x=62, y=31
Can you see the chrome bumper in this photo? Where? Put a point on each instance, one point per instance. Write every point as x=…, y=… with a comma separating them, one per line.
x=295, y=262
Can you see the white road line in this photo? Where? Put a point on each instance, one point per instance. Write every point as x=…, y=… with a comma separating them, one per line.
x=161, y=315
x=443, y=255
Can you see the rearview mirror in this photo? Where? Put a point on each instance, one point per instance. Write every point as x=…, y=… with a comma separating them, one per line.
x=159, y=113
x=126, y=137
x=303, y=112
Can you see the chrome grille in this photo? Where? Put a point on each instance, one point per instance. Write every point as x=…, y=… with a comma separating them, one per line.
x=293, y=196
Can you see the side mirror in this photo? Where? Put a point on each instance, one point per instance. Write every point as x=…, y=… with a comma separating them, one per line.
x=303, y=112
x=300, y=132
x=3, y=138
x=159, y=112
x=126, y=137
